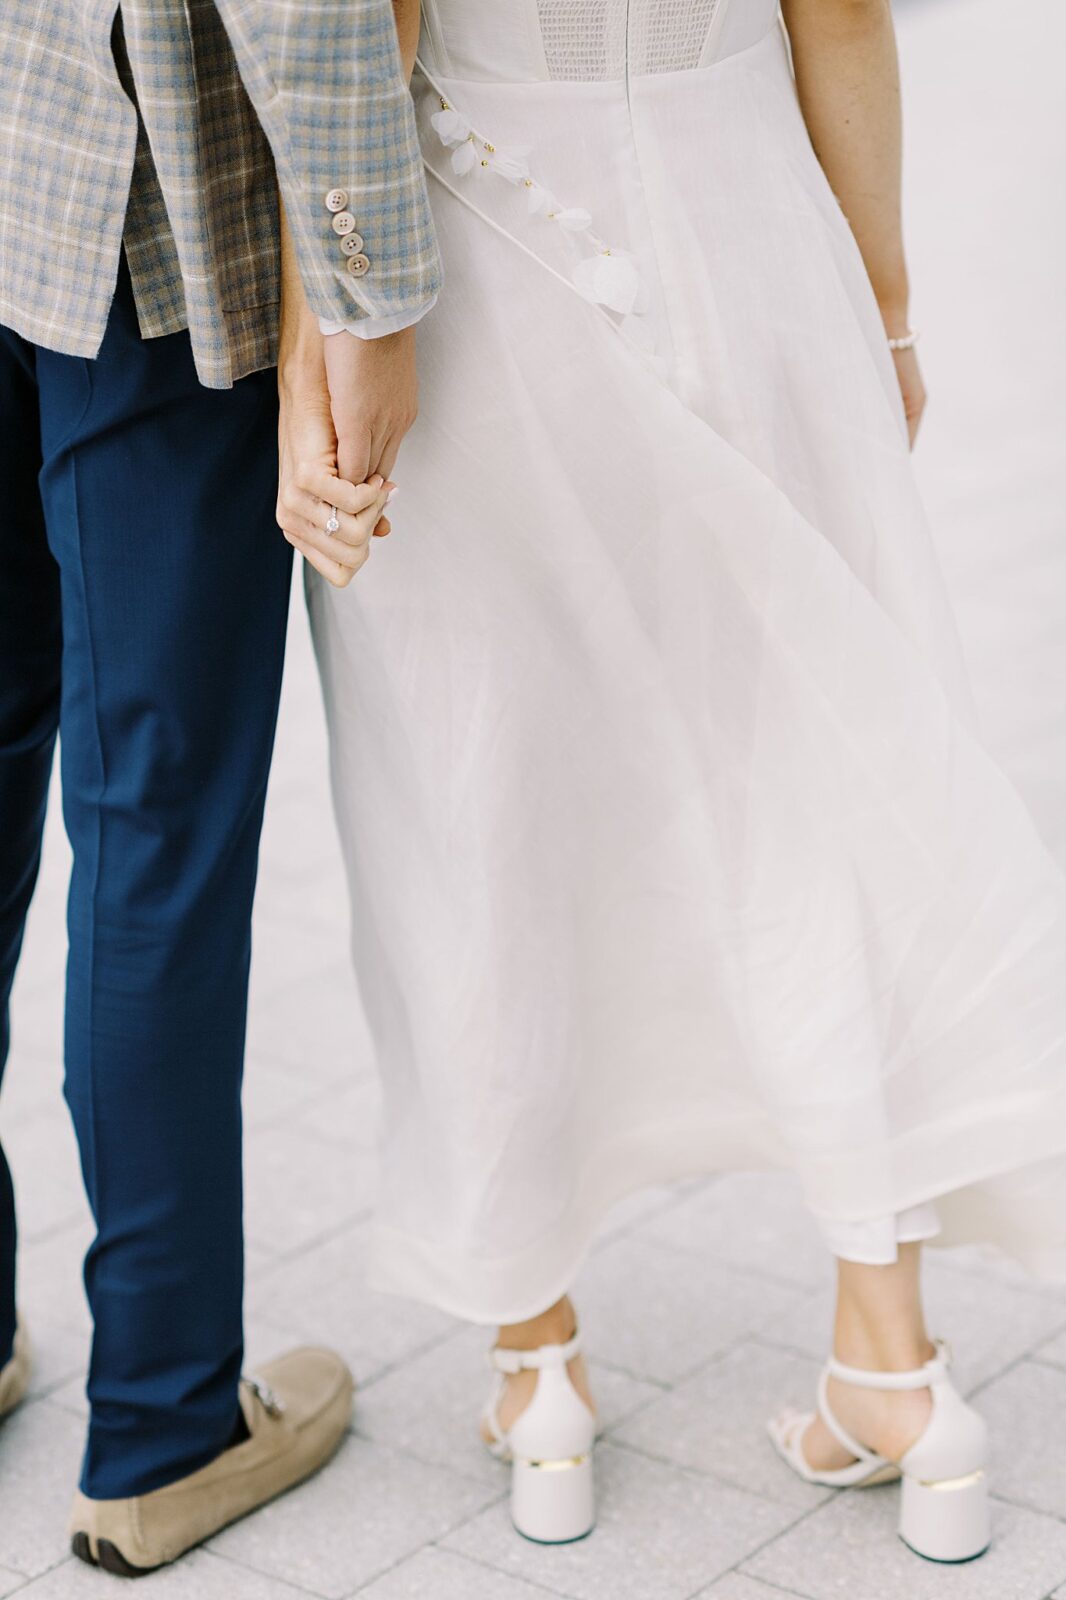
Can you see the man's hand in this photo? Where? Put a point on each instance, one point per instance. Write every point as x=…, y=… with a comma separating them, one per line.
x=310, y=484
x=373, y=388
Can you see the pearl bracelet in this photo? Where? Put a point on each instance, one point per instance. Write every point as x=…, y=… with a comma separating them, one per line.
x=907, y=341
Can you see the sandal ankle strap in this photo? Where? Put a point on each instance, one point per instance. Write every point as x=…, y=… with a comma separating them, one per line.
x=549, y=1355
x=934, y=1371
x=861, y=1452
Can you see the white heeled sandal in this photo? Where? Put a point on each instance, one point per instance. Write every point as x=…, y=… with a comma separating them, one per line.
x=549, y=1447
x=944, y=1510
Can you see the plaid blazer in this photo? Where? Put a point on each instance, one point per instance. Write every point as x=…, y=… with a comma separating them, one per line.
x=171, y=131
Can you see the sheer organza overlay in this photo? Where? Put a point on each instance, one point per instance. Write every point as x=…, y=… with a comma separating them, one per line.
x=673, y=844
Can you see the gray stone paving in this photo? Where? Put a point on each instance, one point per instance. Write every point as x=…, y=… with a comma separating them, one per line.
x=732, y=1314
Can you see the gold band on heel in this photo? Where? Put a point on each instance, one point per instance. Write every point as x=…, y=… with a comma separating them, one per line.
x=949, y=1484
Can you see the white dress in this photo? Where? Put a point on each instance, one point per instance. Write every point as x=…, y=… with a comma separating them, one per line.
x=672, y=843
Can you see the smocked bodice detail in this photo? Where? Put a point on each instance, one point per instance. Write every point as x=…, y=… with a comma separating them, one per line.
x=587, y=41
x=593, y=39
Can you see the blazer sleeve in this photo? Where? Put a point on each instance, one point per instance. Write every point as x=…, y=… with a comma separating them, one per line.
x=327, y=84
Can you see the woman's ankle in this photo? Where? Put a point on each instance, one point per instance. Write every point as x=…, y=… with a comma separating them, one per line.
x=557, y=1325
x=880, y=1350
x=879, y=1323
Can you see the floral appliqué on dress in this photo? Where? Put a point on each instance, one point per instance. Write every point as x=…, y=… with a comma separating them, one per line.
x=605, y=276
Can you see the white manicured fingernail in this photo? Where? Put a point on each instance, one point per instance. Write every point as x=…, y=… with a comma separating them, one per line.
x=390, y=497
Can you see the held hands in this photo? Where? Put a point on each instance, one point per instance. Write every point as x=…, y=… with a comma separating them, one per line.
x=310, y=491
x=346, y=404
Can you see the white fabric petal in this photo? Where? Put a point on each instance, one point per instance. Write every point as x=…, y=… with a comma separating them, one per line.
x=609, y=280
x=574, y=219
x=509, y=167
x=465, y=158
x=540, y=201
x=451, y=126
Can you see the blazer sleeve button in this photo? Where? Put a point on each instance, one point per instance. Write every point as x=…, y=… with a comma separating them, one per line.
x=352, y=244
x=336, y=200
x=343, y=223
x=358, y=266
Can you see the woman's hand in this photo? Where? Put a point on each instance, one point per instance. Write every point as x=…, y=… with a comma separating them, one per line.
x=310, y=489
x=912, y=389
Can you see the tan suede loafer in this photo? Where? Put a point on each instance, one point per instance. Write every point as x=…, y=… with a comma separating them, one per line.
x=15, y=1376
x=297, y=1411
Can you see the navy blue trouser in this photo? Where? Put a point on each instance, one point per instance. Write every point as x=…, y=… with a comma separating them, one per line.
x=144, y=590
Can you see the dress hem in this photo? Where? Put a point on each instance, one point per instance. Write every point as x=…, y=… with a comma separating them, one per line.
x=414, y=1267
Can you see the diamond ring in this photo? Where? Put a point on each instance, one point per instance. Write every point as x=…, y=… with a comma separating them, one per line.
x=334, y=521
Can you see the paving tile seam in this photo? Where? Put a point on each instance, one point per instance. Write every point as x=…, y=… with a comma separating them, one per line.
x=503, y=1572
x=284, y=1258
x=715, y=1478
x=437, y=1342
x=1020, y=1360
x=766, y=1342
x=717, y=1358
x=435, y=1465
x=663, y=1384
x=70, y=1224
x=607, y=1433
x=389, y=1368
x=1053, y=1363
x=804, y=1516
x=49, y=1390
x=998, y=1498
x=739, y=1342
x=475, y=1561
x=253, y=1572
x=708, y=1590
x=67, y=1224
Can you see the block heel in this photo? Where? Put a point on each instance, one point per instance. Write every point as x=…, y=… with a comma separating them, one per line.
x=553, y=1502
x=549, y=1447
x=948, y=1520
x=944, y=1500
